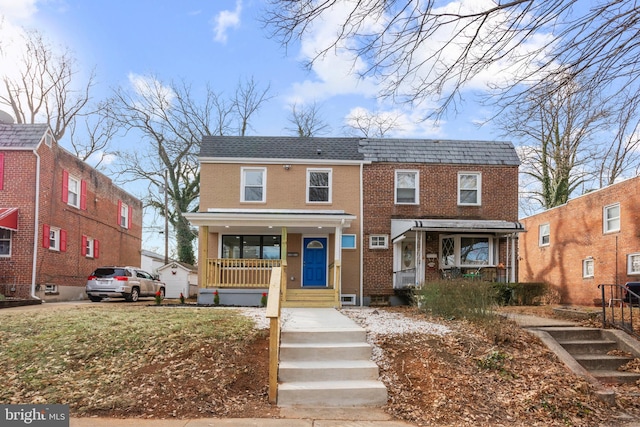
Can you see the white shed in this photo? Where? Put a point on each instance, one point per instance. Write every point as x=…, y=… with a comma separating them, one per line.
x=179, y=278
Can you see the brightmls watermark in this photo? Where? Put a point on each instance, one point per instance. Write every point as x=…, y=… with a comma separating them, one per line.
x=34, y=415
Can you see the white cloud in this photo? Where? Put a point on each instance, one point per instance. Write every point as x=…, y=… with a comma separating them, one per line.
x=225, y=20
x=18, y=9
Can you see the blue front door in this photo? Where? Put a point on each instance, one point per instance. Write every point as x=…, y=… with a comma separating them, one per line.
x=314, y=257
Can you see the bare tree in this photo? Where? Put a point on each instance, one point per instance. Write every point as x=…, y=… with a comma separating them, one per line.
x=45, y=87
x=249, y=98
x=427, y=50
x=371, y=124
x=307, y=121
x=172, y=123
x=559, y=126
x=92, y=144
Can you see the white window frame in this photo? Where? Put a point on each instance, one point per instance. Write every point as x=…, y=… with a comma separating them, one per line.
x=456, y=256
x=477, y=189
x=243, y=184
x=89, y=249
x=416, y=188
x=633, y=264
x=379, y=241
x=588, y=268
x=6, y=239
x=542, y=234
x=124, y=215
x=606, y=220
x=54, y=239
x=329, y=173
x=355, y=241
x=71, y=194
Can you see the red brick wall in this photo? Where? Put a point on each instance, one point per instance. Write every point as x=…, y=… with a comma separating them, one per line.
x=576, y=232
x=117, y=245
x=438, y=200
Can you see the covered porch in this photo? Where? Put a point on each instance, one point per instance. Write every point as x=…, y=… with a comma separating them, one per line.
x=239, y=248
x=432, y=249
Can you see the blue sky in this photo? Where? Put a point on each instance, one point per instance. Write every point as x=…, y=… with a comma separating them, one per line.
x=217, y=42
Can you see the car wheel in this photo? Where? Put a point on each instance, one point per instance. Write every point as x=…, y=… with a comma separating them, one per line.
x=95, y=299
x=134, y=295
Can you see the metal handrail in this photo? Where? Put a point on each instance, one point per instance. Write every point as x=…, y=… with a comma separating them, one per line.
x=614, y=295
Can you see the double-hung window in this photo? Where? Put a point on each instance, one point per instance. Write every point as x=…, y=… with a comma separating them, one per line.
x=124, y=214
x=407, y=187
x=318, y=185
x=544, y=235
x=253, y=185
x=633, y=264
x=90, y=247
x=74, y=191
x=469, y=188
x=54, y=238
x=611, y=218
x=587, y=268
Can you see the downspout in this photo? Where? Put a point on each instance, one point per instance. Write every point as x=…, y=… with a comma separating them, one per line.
x=36, y=228
x=361, y=236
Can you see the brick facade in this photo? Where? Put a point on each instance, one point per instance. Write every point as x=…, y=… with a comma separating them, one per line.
x=438, y=198
x=97, y=219
x=577, y=234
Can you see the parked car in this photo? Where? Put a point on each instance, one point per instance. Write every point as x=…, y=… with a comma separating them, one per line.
x=129, y=283
x=632, y=297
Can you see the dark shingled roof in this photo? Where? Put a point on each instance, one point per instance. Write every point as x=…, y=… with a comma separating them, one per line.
x=280, y=147
x=379, y=150
x=21, y=136
x=436, y=151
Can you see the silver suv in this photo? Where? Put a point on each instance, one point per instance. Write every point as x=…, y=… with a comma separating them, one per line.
x=129, y=283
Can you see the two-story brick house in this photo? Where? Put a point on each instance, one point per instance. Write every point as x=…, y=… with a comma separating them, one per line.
x=353, y=218
x=434, y=207
x=590, y=240
x=59, y=218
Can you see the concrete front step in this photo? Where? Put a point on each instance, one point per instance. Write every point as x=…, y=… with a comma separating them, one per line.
x=324, y=335
x=588, y=346
x=575, y=333
x=332, y=393
x=349, y=370
x=325, y=351
x=615, y=377
x=593, y=362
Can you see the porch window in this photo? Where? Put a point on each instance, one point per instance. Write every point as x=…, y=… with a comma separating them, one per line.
x=469, y=185
x=467, y=251
x=318, y=185
x=5, y=242
x=251, y=247
x=407, y=187
x=253, y=185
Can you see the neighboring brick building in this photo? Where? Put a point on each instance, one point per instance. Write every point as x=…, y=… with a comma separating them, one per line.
x=592, y=239
x=59, y=218
x=434, y=207
x=389, y=213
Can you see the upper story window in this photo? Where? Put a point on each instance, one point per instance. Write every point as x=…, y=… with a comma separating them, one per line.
x=5, y=242
x=74, y=191
x=469, y=188
x=124, y=214
x=407, y=187
x=318, y=185
x=611, y=218
x=253, y=185
x=544, y=235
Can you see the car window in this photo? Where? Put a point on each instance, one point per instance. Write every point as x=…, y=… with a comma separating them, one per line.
x=143, y=274
x=108, y=272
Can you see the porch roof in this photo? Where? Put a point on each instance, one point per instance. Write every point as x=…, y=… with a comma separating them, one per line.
x=267, y=219
x=400, y=226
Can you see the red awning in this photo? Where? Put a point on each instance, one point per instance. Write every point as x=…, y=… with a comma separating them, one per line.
x=9, y=218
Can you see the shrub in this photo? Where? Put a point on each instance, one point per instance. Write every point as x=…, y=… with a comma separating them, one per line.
x=450, y=299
